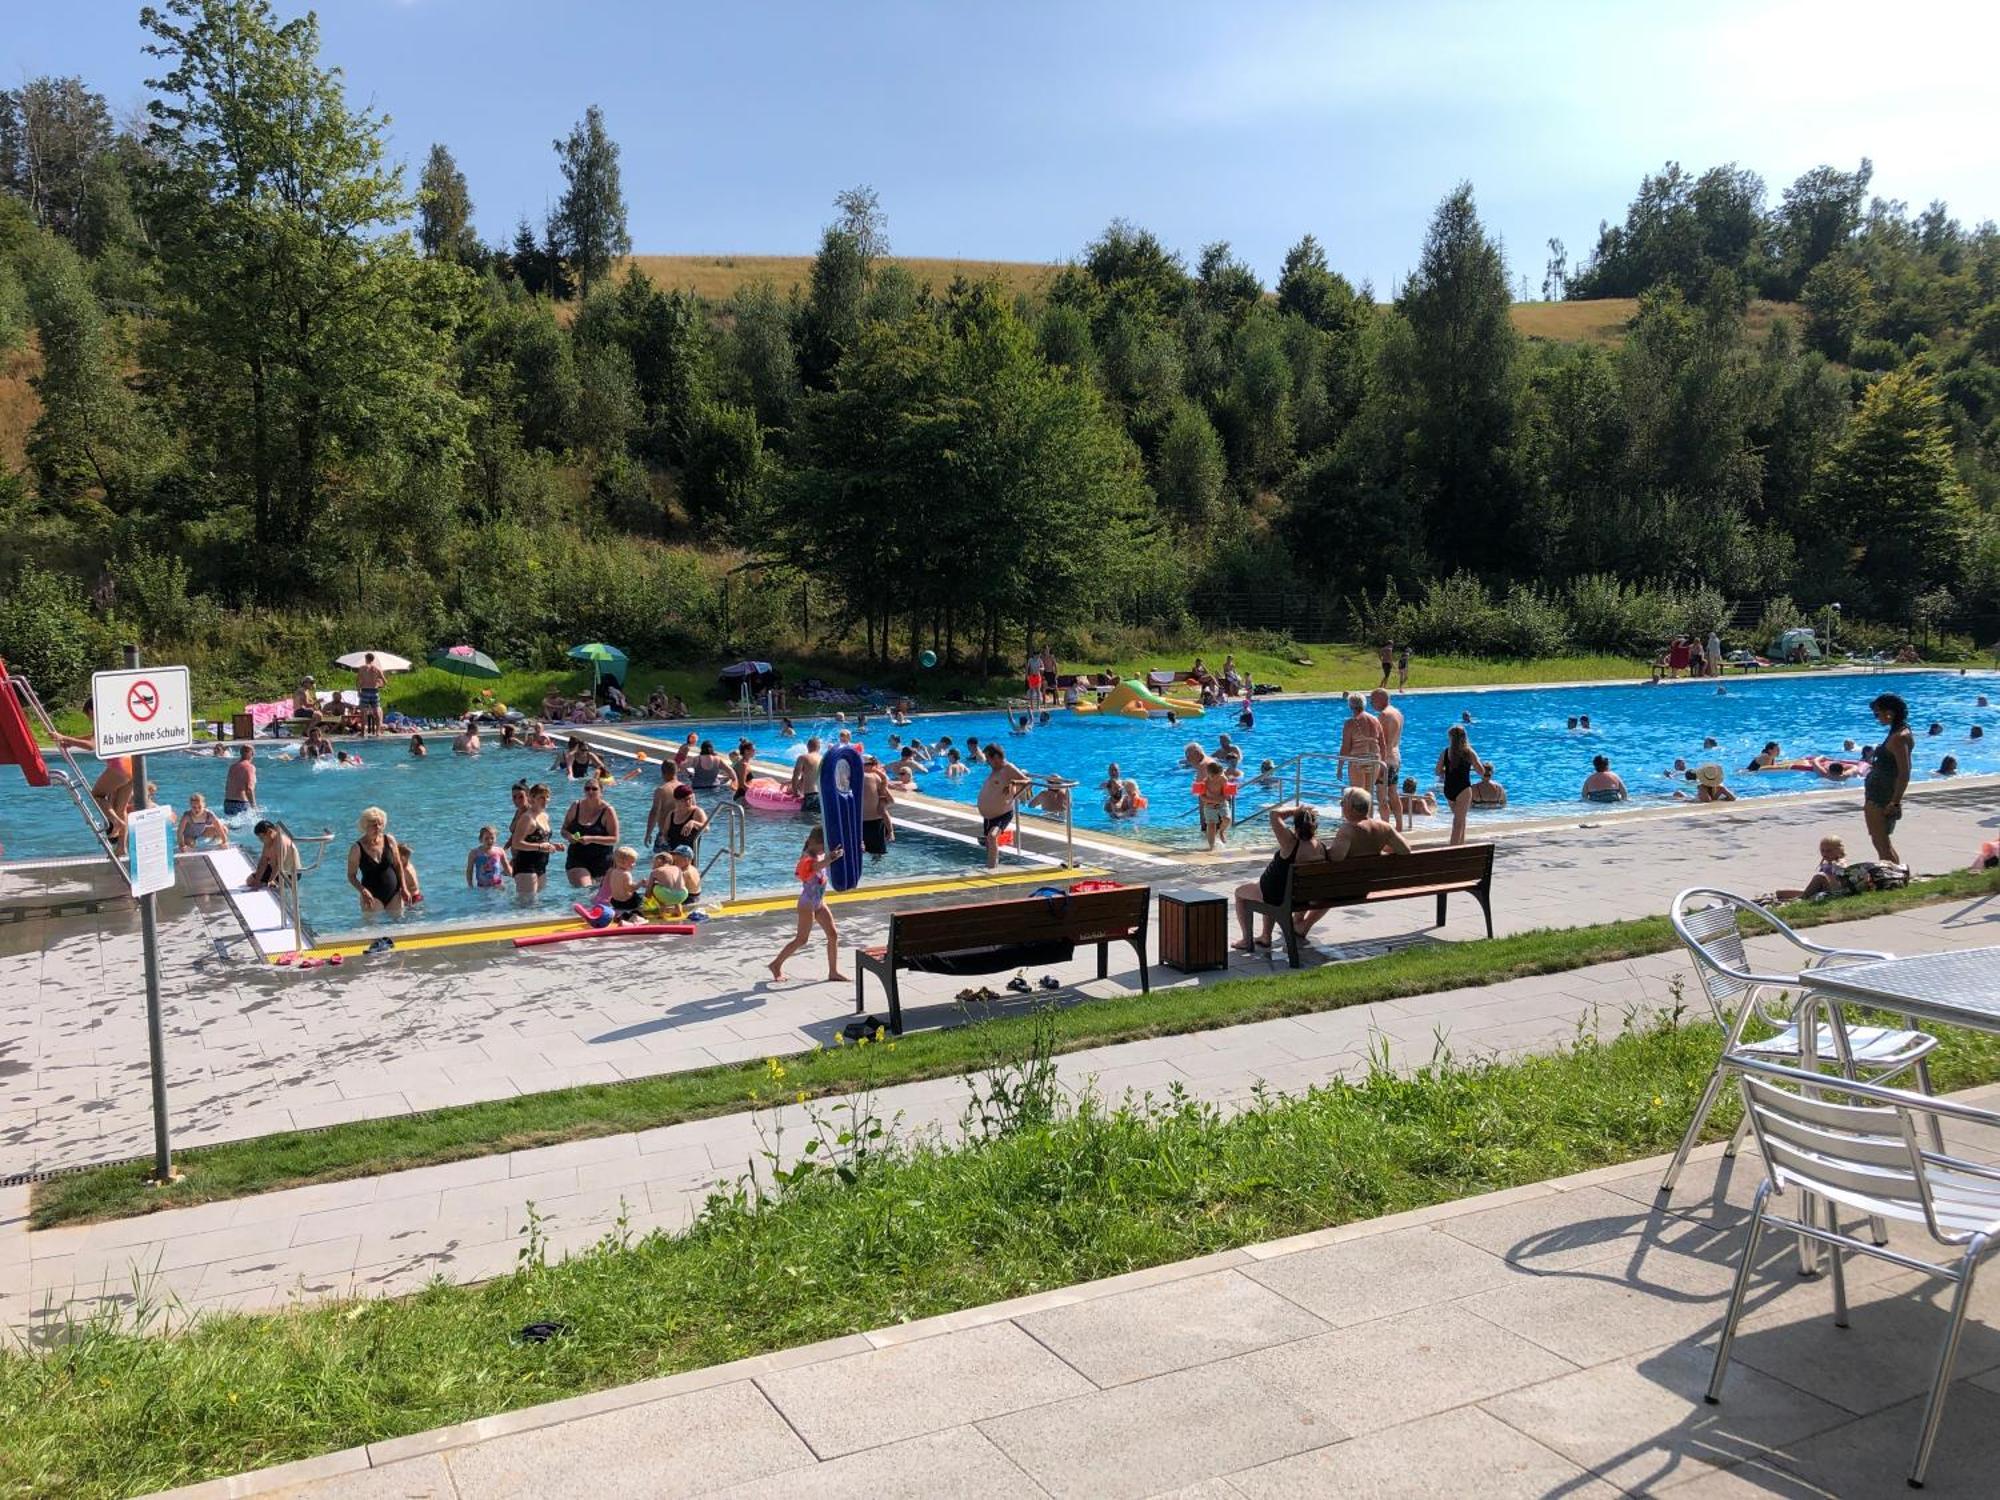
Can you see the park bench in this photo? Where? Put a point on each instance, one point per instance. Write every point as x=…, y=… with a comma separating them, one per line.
x=1365, y=879
x=996, y=935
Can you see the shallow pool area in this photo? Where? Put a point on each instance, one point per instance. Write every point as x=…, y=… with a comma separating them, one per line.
x=437, y=805
x=1524, y=732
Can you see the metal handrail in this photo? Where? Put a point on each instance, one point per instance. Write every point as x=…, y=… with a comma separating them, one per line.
x=72, y=779
x=736, y=842
x=288, y=881
x=1059, y=783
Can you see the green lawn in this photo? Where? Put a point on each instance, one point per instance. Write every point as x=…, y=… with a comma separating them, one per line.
x=1045, y=1201
x=369, y=1147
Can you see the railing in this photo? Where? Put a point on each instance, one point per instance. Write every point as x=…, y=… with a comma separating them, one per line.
x=291, y=897
x=70, y=776
x=1065, y=785
x=1318, y=781
x=736, y=842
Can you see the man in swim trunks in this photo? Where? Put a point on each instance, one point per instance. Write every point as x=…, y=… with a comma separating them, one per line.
x=662, y=808
x=1004, y=785
x=368, y=680
x=876, y=798
x=805, y=777
x=239, y=787
x=1390, y=718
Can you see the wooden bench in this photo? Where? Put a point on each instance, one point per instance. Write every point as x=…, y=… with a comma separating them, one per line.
x=1364, y=879
x=996, y=935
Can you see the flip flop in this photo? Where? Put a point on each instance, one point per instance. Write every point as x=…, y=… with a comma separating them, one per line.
x=1050, y=982
x=336, y=961
x=1019, y=985
x=380, y=945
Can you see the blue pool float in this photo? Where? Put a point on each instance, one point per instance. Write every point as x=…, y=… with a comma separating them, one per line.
x=840, y=813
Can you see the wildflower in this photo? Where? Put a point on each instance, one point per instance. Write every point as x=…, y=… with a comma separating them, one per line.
x=1656, y=1101
x=801, y=1098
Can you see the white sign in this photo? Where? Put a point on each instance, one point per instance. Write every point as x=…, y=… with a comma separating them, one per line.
x=149, y=849
x=142, y=710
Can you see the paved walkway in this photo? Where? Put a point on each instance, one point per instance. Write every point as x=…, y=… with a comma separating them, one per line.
x=1551, y=1340
x=252, y=1050
x=464, y=1221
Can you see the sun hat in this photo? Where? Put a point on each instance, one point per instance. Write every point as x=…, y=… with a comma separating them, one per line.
x=1709, y=774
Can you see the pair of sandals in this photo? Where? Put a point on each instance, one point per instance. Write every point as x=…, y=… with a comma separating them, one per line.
x=1020, y=986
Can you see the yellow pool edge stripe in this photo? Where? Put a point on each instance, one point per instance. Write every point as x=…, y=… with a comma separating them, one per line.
x=761, y=906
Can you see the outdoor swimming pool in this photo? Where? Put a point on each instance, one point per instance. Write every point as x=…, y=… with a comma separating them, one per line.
x=1523, y=731
x=437, y=805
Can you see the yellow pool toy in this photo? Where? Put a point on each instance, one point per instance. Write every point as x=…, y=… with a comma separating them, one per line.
x=1134, y=700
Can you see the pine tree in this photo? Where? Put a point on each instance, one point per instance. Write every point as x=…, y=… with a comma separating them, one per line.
x=1893, y=477
x=588, y=227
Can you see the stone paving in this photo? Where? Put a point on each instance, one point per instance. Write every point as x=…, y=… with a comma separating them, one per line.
x=1551, y=1340
x=465, y=1220
x=252, y=1050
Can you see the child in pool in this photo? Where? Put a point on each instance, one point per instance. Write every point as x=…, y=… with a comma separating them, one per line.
x=417, y=750
x=413, y=891
x=1213, y=794
x=619, y=889
x=487, y=866
x=811, y=873
x=674, y=882
x=953, y=766
x=1125, y=802
x=1415, y=802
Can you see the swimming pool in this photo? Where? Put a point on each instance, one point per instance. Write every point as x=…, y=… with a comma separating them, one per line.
x=1540, y=761
x=437, y=805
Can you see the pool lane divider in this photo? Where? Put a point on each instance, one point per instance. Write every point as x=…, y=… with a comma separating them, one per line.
x=761, y=906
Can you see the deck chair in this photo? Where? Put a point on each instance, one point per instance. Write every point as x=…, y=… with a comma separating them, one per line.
x=1843, y=1145
x=1705, y=920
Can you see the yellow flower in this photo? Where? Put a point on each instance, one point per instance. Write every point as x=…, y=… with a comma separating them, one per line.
x=1656, y=1101
x=801, y=1096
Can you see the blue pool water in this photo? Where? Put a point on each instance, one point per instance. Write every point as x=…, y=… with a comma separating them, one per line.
x=437, y=805
x=1523, y=731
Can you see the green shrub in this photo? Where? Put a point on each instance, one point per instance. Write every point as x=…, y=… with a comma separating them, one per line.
x=47, y=634
x=1455, y=615
x=1780, y=614
x=1532, y=623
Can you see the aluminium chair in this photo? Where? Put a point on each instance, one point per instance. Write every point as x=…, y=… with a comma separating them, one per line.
x=1706, y=921
x=1865, y=1157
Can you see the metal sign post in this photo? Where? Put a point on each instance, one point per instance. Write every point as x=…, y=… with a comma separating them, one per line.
x=132, y=711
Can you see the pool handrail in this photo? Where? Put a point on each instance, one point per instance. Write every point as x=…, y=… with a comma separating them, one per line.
x=70, y=775
x=735, y=843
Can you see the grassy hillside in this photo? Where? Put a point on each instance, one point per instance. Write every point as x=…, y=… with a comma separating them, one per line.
x=1604, y=320
x=717, y=276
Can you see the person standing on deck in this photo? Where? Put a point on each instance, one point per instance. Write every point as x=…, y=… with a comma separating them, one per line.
x=368, y=680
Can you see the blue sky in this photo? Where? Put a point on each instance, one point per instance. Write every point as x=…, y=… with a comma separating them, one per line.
x=1017, y=130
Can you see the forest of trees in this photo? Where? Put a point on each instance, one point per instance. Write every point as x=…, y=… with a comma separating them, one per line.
x=280, y=387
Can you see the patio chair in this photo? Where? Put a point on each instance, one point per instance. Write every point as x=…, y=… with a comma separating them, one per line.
x=1705, y=920
x=1865, y=1157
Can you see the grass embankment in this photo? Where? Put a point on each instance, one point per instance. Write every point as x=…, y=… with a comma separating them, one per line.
x=370, y=1147
x=1606, y=320
x=1318, y=668
x=919, y=1232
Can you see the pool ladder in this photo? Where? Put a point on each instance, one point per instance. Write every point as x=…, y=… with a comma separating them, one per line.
x=69, y=776
x=736, y=829
x=287, y=888
x=1324, y=781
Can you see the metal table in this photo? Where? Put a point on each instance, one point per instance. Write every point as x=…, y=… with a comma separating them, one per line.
x=1960, y=987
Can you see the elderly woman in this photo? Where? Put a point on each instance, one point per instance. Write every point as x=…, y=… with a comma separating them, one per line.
x=375, y=865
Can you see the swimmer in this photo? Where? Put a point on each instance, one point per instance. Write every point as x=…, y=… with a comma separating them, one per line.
x=1267, y=774
x=1936, y=728
x=417, y=750
x=1572, y=722
x=1980, y=701
x=1465, y=716
x=1679, y=768
x=785, y=729
x=1415, y=802
x=487, y=865
x=953, y=766
x=1948, y=766
x=1708, y=742
x=1193, y=756
x=1583, y=721
x=1125, y=802
x=1977, y=733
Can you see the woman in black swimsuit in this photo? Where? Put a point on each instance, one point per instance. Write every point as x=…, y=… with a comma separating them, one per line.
x=685, y=823
x=1455, y=768
x=591, y=826
x=372, y=866
x=528, y=841
x=1299, y=840
x=708, y=768
x=579, y=761
x=1888, y=776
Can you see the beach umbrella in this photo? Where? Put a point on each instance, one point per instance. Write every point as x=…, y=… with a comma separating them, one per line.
x=599, y=656
x=463, y=661
x=388, y=661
